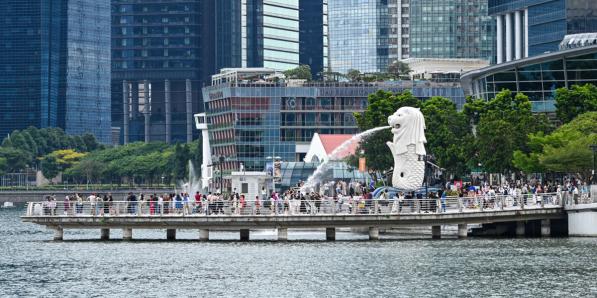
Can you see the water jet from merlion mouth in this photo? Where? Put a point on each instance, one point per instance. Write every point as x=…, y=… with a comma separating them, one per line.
x=315, y=178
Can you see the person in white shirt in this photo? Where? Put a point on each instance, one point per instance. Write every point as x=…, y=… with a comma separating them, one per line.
x=93, y=202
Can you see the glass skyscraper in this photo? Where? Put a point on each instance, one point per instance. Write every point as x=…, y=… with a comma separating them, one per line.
x=163, y=52
x=369, y=35
x=55, y=66
x=284, y=34
x=530, y=27
x=359, y=35
x=451, y=29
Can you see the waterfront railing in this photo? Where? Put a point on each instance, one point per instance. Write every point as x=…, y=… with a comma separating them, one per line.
x=282, y=207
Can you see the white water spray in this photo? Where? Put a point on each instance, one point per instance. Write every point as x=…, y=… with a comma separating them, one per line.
x=193, y=184
x=323, y=167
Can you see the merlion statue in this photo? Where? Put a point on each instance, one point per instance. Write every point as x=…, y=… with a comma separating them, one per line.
x=408, y=127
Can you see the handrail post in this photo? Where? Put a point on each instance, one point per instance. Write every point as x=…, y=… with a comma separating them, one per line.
x=502, y=202
x=460, y=204
x=481, y=203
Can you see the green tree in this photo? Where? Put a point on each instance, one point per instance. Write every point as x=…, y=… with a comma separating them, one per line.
x=447, y=134
x=381, y=105
x=3, y=166
x=564, y=150
x=50, y=167
x=181, y=160
x=15, y=159
x=302, y=72
x=353, y=75
x=399, y=69
x=575, y=101
x=504, y=124
x=197, y=154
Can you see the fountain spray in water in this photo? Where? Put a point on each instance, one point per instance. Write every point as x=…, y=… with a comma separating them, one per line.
x=323, y=167
x=193, y=184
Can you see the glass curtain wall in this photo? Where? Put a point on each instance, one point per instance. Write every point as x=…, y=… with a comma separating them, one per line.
x=451, y=29
x=359, y=35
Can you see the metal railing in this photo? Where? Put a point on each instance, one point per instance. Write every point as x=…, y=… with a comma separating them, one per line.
x=305, y=206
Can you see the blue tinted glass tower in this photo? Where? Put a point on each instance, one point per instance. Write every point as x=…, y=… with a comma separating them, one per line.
x=55, y=60
x=359, y=35
x=163, y=53
x=284, y=34
x=530, y=27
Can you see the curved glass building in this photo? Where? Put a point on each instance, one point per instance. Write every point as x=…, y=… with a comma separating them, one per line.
x=538, y=77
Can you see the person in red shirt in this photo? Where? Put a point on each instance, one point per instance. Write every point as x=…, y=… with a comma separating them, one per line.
x=197, y=202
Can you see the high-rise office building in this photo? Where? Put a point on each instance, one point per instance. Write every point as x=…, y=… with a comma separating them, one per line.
x=452, y=29
x=282, y=35
x=530, y=27
x=163, y=52
x=55, y=66
x=359, y=35
x=370, y=35
x=399, y=11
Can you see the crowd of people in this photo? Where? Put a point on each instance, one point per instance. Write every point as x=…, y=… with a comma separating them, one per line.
x=350, y=198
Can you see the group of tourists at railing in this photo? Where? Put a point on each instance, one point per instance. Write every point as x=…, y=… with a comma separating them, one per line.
x=347, y=198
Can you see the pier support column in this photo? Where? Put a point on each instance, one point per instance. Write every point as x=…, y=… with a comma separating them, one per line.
x=204, y=234
x=462, y=230
x=282, y=234
x=436, y=232
x=105, y=234
x=244, y=235
x=171, y=234
x=520, y=229
x=373, y=233
x=127, y=234
x=330, y=234
x=58, y=234
x=545, y=228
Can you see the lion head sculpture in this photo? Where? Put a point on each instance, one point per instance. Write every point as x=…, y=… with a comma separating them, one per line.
x=408, y=127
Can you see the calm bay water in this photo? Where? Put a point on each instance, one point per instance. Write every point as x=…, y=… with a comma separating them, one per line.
x=33, y=266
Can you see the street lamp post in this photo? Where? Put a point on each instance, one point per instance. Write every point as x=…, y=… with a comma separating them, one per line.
x=221, y=160
x=594, y=148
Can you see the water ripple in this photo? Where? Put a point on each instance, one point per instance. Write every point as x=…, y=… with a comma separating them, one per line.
x=33, y=266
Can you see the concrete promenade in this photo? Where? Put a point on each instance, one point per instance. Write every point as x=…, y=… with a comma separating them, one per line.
x=245, y=223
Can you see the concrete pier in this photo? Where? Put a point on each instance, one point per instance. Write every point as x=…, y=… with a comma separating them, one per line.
x=436, y=232
x=204, y=234
x=58, y=234
x=105, y=234
x=282, y=234
x=127, y=234
x=462, y=230
x=244, y=235
x=369, y=223
x=545, y=228
x=582, y=219
x=373, y=233
x=330, y=234
x=520, y=228
x=171, y=234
